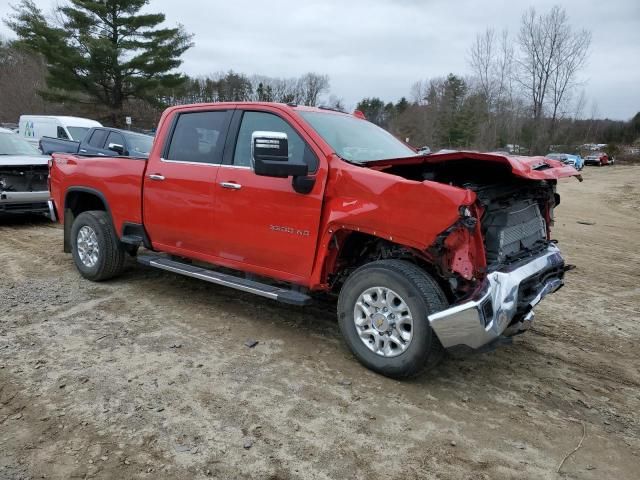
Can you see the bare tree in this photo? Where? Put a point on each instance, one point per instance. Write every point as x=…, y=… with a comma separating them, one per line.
x=570, y=58
x=482, y=58
x=551, y=55
x=311, y=86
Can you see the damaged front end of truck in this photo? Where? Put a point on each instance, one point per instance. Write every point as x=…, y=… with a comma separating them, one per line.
x=498, y=257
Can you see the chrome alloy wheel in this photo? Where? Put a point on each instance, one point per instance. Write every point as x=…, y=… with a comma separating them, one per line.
x=87, y=244
x=383, y=321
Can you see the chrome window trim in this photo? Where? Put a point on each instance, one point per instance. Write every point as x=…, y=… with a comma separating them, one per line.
x=241, y=167
x=190, y=163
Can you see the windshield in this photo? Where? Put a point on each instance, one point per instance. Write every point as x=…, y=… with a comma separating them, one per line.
x=356, y=140
x=78, y=133
x=12, y=144
x=139, y=145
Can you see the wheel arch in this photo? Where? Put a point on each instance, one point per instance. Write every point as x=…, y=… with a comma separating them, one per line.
x=350, y=249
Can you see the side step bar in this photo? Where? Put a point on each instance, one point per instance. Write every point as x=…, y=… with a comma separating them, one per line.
x=263, y=289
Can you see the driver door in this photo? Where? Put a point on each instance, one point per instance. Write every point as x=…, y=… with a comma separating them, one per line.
x=262, y=224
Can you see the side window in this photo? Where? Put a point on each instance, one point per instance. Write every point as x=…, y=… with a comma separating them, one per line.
x=114, y=137
x=97, y=138
x=299, y=152
x=62, y=134
x=199, y=137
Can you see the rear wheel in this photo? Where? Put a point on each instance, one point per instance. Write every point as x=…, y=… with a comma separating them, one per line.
x=97, y=252
x=382, y=313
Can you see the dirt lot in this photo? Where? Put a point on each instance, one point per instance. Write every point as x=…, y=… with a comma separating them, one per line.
x=148, y=376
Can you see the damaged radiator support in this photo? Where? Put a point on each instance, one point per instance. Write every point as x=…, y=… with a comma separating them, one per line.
x=509, y=229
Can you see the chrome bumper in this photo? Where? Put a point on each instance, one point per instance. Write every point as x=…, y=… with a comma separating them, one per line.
x=24, y=197
x=486, y=316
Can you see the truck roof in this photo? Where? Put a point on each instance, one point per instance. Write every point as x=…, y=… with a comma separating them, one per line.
x=284, y=106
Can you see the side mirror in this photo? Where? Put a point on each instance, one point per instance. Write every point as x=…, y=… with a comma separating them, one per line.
x=116, y=147
x=270, y=156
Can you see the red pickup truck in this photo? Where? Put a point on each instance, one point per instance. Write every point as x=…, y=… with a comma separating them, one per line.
x=423, y=252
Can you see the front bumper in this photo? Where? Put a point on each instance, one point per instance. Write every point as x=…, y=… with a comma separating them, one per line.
x=502, y=305
x=24, y=202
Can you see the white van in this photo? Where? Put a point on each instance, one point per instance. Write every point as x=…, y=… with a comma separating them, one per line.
x=33, y=127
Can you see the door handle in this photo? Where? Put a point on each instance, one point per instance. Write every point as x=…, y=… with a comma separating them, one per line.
x=231, y=185
x=83, y=150
x=156, y=176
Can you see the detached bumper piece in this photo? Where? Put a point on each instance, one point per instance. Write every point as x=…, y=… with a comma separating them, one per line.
x=503, y=305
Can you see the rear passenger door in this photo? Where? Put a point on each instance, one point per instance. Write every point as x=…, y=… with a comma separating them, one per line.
x=179, y=187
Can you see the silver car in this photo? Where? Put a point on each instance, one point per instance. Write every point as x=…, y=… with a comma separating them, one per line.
x=23, y=176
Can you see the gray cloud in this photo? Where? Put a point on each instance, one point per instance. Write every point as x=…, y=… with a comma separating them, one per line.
x=381, y=47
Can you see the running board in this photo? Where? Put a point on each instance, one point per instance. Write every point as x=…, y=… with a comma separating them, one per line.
x=283, y=295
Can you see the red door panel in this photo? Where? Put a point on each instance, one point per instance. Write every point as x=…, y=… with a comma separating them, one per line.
x=265, y=222
x=178, y=210
x=262, y=222
x=179, y=184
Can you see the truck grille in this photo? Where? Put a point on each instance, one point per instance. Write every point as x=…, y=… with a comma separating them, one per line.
x=512, y=229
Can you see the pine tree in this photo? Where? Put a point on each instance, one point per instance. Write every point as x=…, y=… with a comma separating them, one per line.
x=103, y=53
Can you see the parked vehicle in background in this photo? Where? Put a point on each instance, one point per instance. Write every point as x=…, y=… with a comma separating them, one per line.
x=575, y=161
x=23, y=176
x=33, y=127
x=424, y=253
x=102, y=141
x=598, y=159
x=425, y=150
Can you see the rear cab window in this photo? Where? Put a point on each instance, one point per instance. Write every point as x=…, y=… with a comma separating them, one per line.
x=198, y=137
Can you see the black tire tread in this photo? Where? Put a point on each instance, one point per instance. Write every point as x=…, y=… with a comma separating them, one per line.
x=114, y=253
x=433, y=297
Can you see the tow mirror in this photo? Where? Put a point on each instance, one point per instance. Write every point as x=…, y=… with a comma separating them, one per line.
x=116, y=147
x=270, y=156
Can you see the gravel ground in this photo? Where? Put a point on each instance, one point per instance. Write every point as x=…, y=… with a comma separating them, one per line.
x=148, y=375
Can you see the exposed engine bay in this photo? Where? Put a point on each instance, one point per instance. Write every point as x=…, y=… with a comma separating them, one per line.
x=515, y=213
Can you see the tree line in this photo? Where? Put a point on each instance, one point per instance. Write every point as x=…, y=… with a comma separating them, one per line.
x=109, y=60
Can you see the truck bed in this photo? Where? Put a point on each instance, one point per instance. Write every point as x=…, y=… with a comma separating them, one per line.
x=49, y=145
x=117, y=180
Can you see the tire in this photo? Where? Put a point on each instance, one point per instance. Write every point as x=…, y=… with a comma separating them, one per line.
x=419, y=292
x=101, y=263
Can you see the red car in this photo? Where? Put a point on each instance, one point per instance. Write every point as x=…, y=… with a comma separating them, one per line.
x=598, y=159
x=423, y=252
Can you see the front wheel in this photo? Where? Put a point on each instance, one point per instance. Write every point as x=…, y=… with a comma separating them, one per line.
x=97, y=252
x=382, y=313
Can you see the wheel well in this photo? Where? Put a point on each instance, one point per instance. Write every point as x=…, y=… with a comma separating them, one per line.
x=80, y=201
x=356, y=249
x=76, y=202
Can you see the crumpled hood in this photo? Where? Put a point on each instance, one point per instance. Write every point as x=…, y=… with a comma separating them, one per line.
x=23, y=160
x=533, y=168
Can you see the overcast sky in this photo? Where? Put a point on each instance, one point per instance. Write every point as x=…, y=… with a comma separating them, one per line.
x=382, y=47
